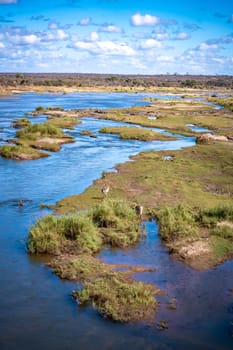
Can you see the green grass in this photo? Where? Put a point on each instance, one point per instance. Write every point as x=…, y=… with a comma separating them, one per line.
x=20, y=152
x=118, y=299
x=117, y=222
x=86, y=132
x=53, y=235
x=223, y=249
x=63, y=122
x=177, y=222
x=44, y=136
x=227, y=103
x=38, y=130
x=111, y=222
x=21, y=123
x=80, y=268
x=140, y=134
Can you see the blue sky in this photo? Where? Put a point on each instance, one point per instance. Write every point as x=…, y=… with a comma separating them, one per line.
x=117, y=36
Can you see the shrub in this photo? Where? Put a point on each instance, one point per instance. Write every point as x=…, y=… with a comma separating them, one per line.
x=53, y=235
x=177, y=222
x=118, y=223
x=45, y=129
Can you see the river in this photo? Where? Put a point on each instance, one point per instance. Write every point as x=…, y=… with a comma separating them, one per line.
x=37, y=310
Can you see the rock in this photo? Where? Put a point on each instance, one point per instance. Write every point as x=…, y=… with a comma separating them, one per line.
x=209, y=137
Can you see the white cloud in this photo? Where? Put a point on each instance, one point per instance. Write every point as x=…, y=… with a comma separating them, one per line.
x=61, y=35
x=85, y=21
x=182, y=36
x=165, y=58
x=218, y=60
x=53, y=25
x=111, y=29
x=205, y=46
x=105, y=48
x=2, y=46
x=93, y=36
x=8, y=2
x=144, y=20
x=162, y=36
x=29, y=39
x=150, y=44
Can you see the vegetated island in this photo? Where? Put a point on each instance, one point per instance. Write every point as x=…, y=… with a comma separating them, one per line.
x=32, y=139
x=189, y=191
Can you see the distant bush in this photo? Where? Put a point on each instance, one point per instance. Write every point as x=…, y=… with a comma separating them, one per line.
x=21, y=123
x=45, y=129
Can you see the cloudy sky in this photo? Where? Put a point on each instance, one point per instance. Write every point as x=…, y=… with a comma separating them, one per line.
x=117, y=36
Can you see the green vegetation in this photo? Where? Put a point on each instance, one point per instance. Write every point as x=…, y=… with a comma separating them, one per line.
x=177, y=222
x=173, y=116
x=134, y=133
x=42, y=136
x=80, y=268
x=55, y=235
x=43, y=110
x=201, y=184
x=111, y=222
x=34, y=131
x=63, y=122
x=85, y=132
x=211, y=228
x=227, y=103
x=21, y=123
x=20, y=152
x=74, y=239
x=201, y=177
x=117, y=222
x=119, y=299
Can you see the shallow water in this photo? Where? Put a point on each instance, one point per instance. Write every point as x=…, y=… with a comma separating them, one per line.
x=37, y=310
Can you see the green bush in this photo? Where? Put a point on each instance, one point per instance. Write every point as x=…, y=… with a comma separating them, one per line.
x=53, y=235
x=216, y=214
x=45, y=129
x=118, y=223
x=177, y=222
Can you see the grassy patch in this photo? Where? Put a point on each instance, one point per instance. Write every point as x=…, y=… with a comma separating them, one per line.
x=120, y=299
x=173, y=115
x=53, y=235
x=227, y=103
x=63, y=122
x=117, y=222
x=140, y=134
x=21, y=123
x=223, y=249
x=80, y=268
x=42, y=136
x=177, y=222
x=201, y=177
x=20, y=152
x=37, y=130
x=111, y=222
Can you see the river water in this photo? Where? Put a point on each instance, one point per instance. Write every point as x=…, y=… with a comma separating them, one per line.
x=36, y=308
